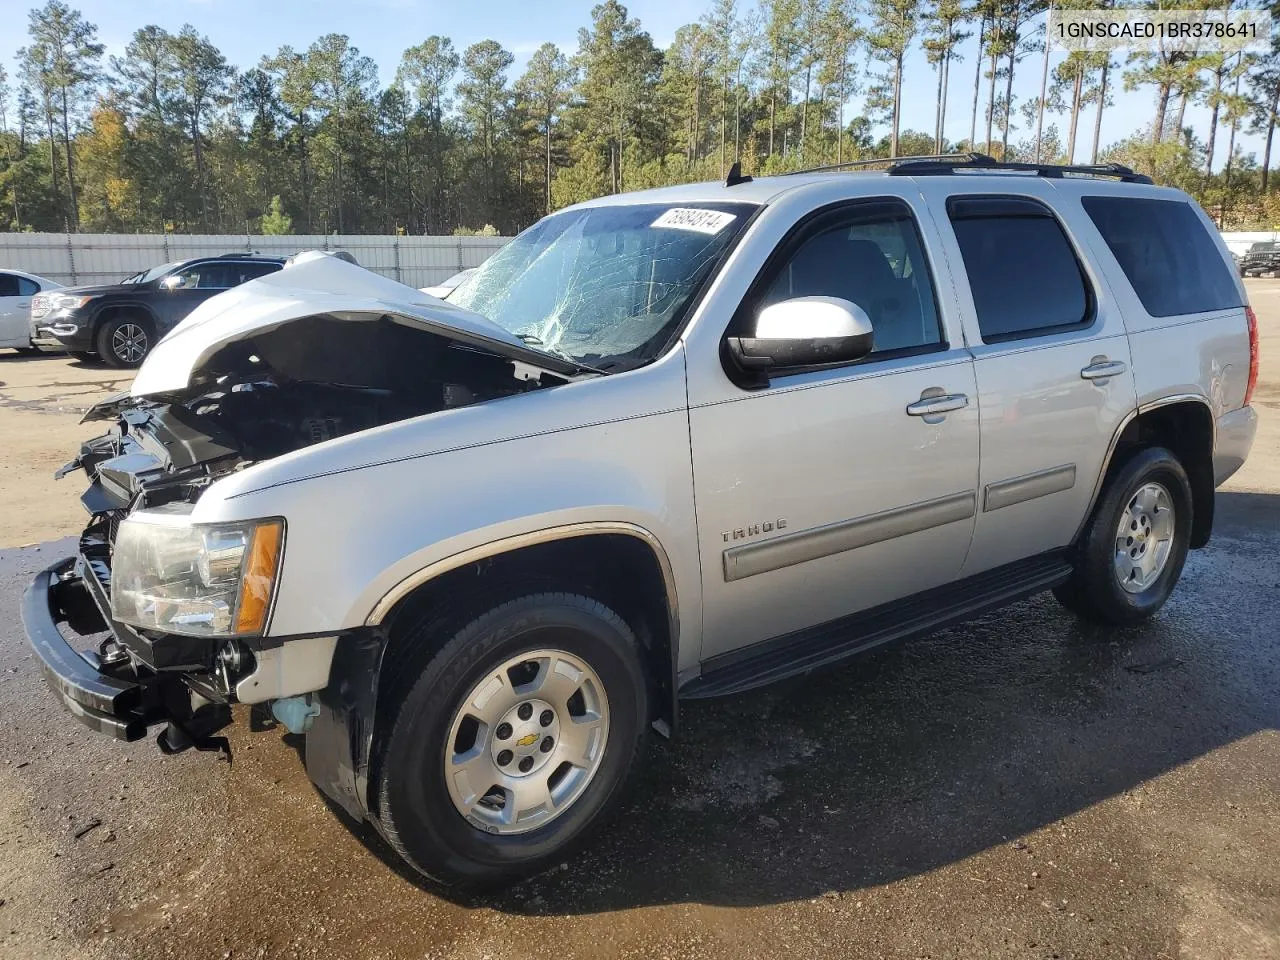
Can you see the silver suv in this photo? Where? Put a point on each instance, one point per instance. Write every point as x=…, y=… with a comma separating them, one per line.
x=661, y=446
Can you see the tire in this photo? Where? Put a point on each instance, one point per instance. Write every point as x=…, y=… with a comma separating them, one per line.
x=1099, y=588
x=425, y=819
x=124, y=341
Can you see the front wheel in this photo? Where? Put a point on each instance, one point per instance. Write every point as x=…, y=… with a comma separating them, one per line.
x=1135, y=544
x=518, y=738
x=124, y=341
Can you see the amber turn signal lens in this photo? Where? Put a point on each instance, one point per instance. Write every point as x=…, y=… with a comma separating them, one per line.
x=259, y=577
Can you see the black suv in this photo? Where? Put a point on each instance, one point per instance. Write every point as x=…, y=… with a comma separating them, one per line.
x=1262, y=258
x=122, y=321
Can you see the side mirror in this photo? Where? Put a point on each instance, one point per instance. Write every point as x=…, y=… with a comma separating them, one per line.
x=804, y=332
x=171, y=283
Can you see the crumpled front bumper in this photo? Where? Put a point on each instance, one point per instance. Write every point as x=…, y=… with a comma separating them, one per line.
x=117, y=689
x=102, y=697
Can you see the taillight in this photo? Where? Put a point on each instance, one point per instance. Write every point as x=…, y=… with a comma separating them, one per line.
x=1253, y=354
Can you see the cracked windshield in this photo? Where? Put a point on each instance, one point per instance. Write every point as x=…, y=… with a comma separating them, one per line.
x=606, y=286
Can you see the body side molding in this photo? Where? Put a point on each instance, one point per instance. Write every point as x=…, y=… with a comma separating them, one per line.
x=1029, y=486
x=750, y=559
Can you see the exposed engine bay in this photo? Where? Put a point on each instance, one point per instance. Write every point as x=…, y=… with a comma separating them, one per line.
x=312, y=380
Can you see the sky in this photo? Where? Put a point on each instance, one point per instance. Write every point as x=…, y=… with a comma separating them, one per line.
x=246, y=29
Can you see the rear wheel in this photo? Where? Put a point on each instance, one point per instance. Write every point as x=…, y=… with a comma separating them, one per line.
x=1135, y=544
x=124, y=341
x=516, y=740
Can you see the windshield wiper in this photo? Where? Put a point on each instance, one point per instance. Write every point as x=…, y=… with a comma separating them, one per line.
x=537, y=343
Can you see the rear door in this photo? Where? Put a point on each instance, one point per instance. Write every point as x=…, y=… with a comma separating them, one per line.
x=1051, y=359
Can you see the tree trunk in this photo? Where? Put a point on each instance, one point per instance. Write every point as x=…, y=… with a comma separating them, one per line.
x=1213, y=121
x=71, y=175
x=737, y=113
x=1231, y=151
x=1271, y=129
x=1075, y=113
x=724, y=119
x=773, y=96
x=942, y=108
x=840, y=115
x=1163, y=93
x=937, y=113
x=897, y=104
x=804, y=106
x=977, y=84
x=991, y=87
x=1102, y=102
x=1044, y=83
x=547, y=171
x=1008, y=101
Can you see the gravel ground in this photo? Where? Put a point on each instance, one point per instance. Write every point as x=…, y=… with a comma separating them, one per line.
x=1023, y=786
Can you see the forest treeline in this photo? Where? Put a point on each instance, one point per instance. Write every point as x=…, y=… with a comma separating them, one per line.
x=169, y=136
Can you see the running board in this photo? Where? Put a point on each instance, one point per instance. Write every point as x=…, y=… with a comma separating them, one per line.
x=830, y=643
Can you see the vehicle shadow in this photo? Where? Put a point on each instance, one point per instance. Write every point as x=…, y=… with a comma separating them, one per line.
x=920, y=755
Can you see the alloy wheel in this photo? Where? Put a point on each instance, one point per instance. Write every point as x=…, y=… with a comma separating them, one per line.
x=129, y=343
x=1144, y=537
x=526, y=741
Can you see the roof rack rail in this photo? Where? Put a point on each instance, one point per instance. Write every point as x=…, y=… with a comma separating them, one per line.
x=853, y=164
x=977, y=162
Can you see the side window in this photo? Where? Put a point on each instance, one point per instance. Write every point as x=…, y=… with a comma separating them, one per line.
x=27, y=288
x=8, y=285
x=252, y=271
x=207, y=276
x=1166, y=253
x=1024, y=275
x=873, y=257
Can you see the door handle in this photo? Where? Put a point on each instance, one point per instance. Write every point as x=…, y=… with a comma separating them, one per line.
x=1101, y=369
x=936, y=405
x=22, y=304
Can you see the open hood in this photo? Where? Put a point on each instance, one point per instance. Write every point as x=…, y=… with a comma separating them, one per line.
x=321, y=286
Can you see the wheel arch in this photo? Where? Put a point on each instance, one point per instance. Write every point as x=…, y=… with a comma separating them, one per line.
x=1183, y=423
x=619, y=563
x=108, y=310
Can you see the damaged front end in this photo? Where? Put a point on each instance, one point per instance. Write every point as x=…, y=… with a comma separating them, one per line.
x=170, y=646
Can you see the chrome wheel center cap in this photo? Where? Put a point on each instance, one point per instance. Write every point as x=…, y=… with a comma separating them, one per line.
x=534, y=730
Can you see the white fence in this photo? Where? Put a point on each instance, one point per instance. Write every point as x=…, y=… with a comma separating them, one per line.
x=87, y=258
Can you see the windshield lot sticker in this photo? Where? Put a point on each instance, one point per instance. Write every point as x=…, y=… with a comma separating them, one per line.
x=700, y=221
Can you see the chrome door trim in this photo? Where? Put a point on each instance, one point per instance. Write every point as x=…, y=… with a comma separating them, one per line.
x=1029, y=486
x=751, y=559
x=546, y=535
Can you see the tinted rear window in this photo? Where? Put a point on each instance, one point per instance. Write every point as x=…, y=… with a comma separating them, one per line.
x=1165, y=250
x=1023, y=273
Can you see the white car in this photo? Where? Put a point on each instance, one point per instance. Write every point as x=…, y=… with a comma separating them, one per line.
x=16, y=290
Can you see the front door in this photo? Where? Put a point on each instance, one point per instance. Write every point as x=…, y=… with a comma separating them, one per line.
x=834, y=490
x=183, y=292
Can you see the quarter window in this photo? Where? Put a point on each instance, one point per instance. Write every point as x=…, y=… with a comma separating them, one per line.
x=1166, y=252
x=871, y=257
x=1023, y=273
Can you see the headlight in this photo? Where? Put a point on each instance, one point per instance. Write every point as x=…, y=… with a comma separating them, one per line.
x=67, y=301
x=208, y=580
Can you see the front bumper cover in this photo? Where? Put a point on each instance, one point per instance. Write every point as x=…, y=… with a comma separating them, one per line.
x=106, y=701
x=113, y=690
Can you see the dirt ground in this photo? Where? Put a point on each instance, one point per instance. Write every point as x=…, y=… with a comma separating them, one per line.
x=1024, y=786
x=41, y=401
